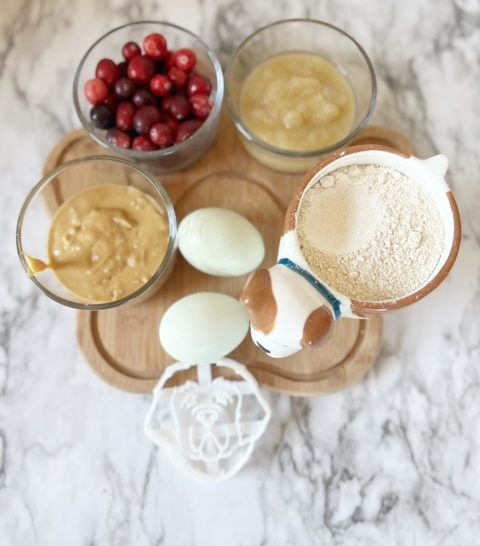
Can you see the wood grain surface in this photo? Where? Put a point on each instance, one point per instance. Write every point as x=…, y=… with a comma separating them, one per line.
x=122, y=344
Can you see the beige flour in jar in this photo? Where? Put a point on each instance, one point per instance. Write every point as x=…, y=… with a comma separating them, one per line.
x=370, y=232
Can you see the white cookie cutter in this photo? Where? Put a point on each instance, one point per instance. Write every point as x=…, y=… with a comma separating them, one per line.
x=209, y=427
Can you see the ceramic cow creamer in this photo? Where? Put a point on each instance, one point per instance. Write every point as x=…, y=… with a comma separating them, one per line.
x=290, y=308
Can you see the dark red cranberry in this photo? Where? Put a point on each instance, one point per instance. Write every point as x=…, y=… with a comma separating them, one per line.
x=179, y=108
x=186, y=129
x=142, y=143
x=131, y=50
x=185, y=59
x=124, y=88
x=141, y=69
x=111, y=101
x=161, y=85
x=96, y=91
x=170, y=61
x=201, y=105
x=155, y=46
x=119, y=138
x=182, y=92
x=123, y=67
x=171, y=122
x=161, y=135
x=143, y=97
x=199, y=85
x=102, y=117
x=178, y=76
x=145, y=117
x=166, y=104
x=107, y=71
x=124, y=116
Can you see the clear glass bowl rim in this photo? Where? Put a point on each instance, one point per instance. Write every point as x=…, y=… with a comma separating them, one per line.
x=296, y=154
x=185, y=145
x=172, y=226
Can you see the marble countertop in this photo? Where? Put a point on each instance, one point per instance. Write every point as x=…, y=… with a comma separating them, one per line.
x=395, y=460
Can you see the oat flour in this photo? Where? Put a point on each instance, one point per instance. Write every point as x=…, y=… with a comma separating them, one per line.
x=370, y=232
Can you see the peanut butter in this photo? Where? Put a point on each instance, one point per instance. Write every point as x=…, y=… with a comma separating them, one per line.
x=105, y=242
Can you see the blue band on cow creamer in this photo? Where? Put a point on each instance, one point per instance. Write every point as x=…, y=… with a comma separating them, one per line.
x=322, y=289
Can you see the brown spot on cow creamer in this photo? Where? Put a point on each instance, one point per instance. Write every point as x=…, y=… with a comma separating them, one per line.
x=260, y=302
x=318, y=328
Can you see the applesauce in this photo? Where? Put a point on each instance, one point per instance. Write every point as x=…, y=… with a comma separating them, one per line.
x=297, y=102
x=105, y=242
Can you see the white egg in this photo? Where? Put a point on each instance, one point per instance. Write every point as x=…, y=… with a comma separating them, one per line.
x=220, y=242
x=203, y=327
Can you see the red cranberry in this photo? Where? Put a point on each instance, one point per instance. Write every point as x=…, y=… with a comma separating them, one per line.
x=179, y=108
x=141, y=69
x=131, y=50
x=145, y=117
x=118, y=138
x=102, y=117
x=178, y=76
x=124, y=88
x=111, y=101
x=155, y=46
x=201, y=105
x=96, y=91
x=124, y=116
x=143, y=97
x=161, y=135
x=123, y=66
x=185, y=59
x=186, y=129
x=171, y=122
x=161, y=85
x=107, y=71
x=166, y=103
x=142, y=143
x=199, y=85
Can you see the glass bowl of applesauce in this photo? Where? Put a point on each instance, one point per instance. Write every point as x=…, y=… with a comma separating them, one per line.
x=299, y=89
x=97, y=232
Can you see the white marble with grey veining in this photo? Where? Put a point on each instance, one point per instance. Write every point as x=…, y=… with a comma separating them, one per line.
x=393, y=461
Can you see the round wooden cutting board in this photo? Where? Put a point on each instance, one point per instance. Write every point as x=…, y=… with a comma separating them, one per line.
x=122, y=344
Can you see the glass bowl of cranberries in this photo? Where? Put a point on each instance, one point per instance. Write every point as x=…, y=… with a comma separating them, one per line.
x=151, y=92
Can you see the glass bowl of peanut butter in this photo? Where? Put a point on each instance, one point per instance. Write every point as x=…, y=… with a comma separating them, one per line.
x=297, y=90
x=97, y=232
